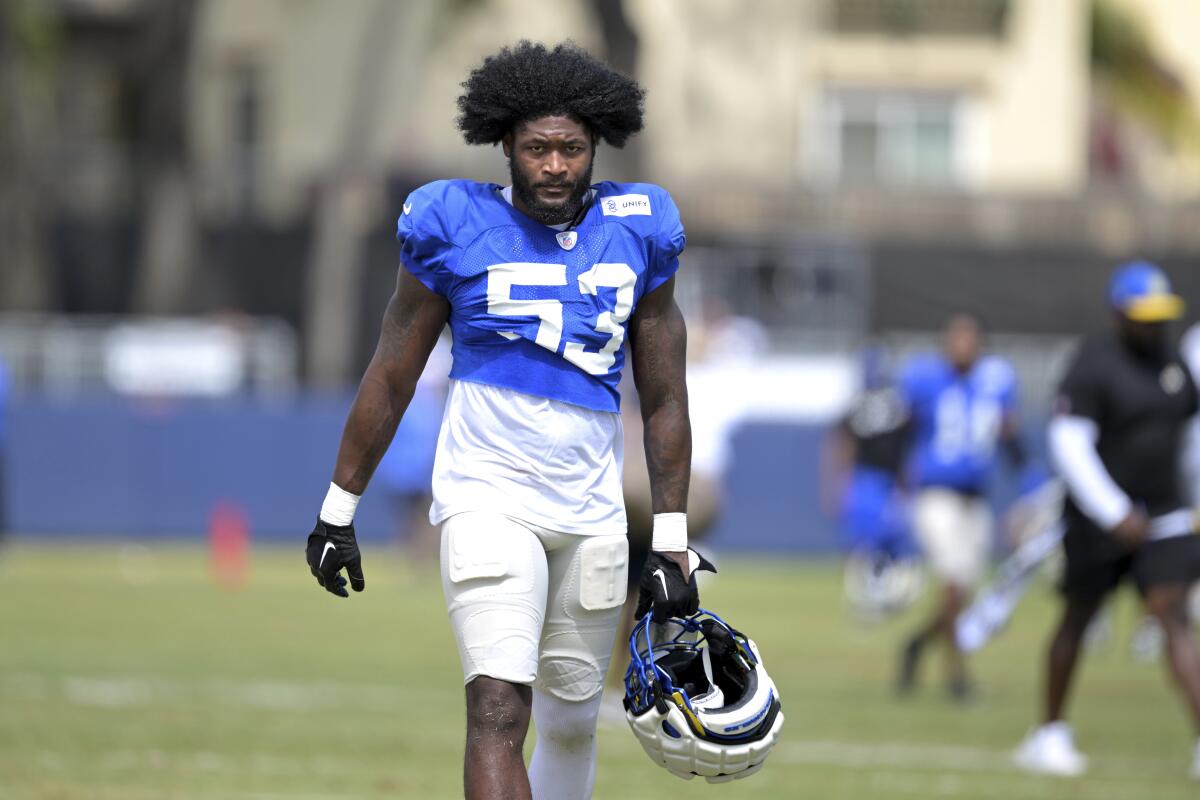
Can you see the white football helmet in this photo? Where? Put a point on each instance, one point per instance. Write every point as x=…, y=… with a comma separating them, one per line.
x=879, y=585
x=701, y=702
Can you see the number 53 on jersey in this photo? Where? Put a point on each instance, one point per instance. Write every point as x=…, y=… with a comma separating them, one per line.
x=608, y=328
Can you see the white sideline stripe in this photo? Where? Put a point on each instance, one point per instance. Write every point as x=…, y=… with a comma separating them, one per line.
x=157, y=793
x=917, y=757
x=895, y=784
x=323, y=696
x=958, y=758
x=275, y=695
x=202, y=761
x=894, y=754
x=907, y=769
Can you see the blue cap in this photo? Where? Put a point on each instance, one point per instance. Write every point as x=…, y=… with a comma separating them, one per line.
x=1141, y=292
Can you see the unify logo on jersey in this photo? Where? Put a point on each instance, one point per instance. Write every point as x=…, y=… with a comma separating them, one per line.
x=567, y=239
x=626, y=205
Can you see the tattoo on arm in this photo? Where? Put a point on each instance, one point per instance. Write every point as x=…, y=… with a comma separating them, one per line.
x=658, y=338
x=412, y=323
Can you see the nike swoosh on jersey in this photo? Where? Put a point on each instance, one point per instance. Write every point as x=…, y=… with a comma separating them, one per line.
x=407, y=208
x=658, y=573
x=328, y=546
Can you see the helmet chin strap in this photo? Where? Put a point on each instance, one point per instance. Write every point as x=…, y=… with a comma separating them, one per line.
x=714, y=697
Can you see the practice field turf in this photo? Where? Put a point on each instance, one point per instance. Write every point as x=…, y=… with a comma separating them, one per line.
x=125, y=673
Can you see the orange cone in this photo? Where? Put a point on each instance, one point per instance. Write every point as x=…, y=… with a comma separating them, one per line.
x=229, y=545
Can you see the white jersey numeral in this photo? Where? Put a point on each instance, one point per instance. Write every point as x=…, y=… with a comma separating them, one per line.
x=613, y=276
x=502, y=277
x=965, y=427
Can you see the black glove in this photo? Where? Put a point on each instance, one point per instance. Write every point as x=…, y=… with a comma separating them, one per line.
x=331, y=547
x=664, y=588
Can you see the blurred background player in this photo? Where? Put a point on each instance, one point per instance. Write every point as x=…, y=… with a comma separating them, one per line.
x=862, y=470
x=1033, y=527
x=527, y=475
x=963, y=405
x=1190, y=350
x=1116, y=440
x=3, y=447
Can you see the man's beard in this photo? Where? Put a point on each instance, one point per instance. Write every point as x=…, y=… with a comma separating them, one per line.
x=550, y=213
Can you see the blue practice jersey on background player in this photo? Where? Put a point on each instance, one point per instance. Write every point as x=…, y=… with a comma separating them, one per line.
x=534, y=309
x=957, y=419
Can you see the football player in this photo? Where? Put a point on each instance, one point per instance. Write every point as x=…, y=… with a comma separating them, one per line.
x=542, y=282
x=1115, y=439
x=862, y=470
x=3, y=448
x=1190, y=348
x=964, y=412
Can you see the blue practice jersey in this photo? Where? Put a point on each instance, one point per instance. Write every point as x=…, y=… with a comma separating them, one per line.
x=534, y=309
x=957, y=419
x=3, y=401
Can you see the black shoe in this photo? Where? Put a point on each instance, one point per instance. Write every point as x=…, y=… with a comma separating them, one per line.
x=910, y=657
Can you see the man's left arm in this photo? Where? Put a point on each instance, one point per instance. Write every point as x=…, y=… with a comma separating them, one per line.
x=1012, y=444
x=1010, y=440
x=658, y=344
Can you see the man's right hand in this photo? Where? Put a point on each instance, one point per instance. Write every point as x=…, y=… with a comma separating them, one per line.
x=1133, y=530
x=330, y=548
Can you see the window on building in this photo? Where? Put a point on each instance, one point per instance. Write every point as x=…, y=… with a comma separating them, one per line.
x=985, y=18
x=244, y=100
x=891, y=137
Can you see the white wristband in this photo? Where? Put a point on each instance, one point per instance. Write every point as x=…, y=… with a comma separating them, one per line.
x=339, y=505
x=670, y=533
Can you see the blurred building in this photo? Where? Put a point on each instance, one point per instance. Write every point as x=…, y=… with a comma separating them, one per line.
x=843, y=167
x=1171, y=28
x=870, y=93
x=978, y=96
x=285, y=92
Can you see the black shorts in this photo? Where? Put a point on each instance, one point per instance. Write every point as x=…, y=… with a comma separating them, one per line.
x=1096, y=562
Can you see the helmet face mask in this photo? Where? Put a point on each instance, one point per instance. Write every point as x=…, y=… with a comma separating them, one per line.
x=699, y=700
x=878, y=585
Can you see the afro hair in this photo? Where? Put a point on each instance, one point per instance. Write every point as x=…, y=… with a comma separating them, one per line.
x=529, y=81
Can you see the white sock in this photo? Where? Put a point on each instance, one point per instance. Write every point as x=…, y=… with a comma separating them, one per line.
x=564, y=760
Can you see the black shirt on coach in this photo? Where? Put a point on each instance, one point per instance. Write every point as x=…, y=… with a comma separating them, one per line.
x=1141, y=404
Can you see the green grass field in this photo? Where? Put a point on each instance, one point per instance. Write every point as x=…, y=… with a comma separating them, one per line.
x=125, y=673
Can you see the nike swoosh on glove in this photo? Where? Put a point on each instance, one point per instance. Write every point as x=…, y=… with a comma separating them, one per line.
x=664, y=589
x=330, y=549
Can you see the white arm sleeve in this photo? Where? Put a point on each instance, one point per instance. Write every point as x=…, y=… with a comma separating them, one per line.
x=1191, y=449
x=1072, y=443
x=1190, y=346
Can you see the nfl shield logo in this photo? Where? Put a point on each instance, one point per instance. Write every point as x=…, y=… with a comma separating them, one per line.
x=567, y=239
